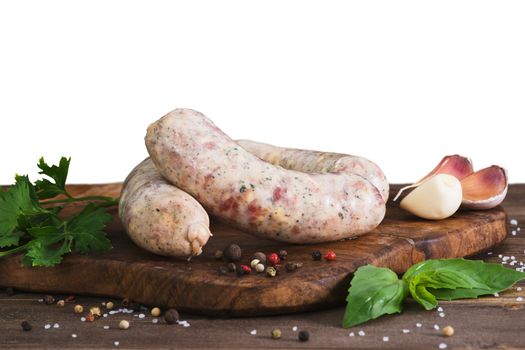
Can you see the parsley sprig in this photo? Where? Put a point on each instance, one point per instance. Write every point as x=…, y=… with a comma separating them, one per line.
x=30, y=220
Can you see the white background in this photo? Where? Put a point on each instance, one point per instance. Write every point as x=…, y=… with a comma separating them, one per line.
x=402, y=83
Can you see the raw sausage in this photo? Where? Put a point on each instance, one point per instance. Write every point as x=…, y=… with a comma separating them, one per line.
x=160, y=217
x=319, y=162
x=257, y=196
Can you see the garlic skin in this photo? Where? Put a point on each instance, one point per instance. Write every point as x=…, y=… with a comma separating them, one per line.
x=437, y=198
x=485, y=189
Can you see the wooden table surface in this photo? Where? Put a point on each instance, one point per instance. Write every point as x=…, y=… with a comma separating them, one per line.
x=488, y=322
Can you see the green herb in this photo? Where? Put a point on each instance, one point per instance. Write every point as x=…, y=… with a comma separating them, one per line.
x=378, y=291
x=30, y=221
x=374, y=292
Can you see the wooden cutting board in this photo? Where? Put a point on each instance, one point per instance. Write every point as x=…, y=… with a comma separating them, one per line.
x=195, y=286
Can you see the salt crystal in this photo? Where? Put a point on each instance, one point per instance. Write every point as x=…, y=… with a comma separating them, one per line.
x=186, y=325
x=385, y=339
x=518, y=289
x=294, y=328
x=56, y=325
x=496, y=294
x=73, y=335
x=113, y=312
x=83, y=319
x=441, y=314
x=513, y=232
x=518, y=229
x=504, y=263
x=442, y=345
x=519, y=299
x=142, y=315
x=253, y=332
x=155, y=320
x=406, y=331
x=361, y=333
x=500, y=256
x=106, y=327
x=436, y=327
x=351, y=334
x=440, y=309
x=512, y=257
x=47, y=326
x=105, y=315
x=489, y=253
x=418, y=325
x=40, y=300
x=505, y=258
x=116, y=343
x=513, y=222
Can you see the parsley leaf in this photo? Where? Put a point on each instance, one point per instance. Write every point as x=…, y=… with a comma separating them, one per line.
x=86, y=229
x=47, y=189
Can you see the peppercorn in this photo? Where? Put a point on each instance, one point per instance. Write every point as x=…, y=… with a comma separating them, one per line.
x=222, y=270
x=246, y=269
x=70, y=299
x=26, y=326
x=90, y=317
x=95, y=311
x=61, y=303
x=304, y=336
x=78, y=309
x=273, y=259
x=330, y=256
x=259, y=268
x=48, y=299
x=109, y=305
x=254, y=263
x=271, y=271
x=171, y=316
x=9, y=291
x=292, y=266
x=448, y=331
x=123, y=324
x=260, y=256
x=125, y=302
x=283, y=254
x=276, y=333
x=316, y=255
x=232, y=267
x=155, y=312
x=219, y=254
x=232, y=253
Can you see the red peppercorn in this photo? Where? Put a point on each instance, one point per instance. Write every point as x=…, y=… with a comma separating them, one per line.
x=272, y=259
x=330, y=256
x=246, y=269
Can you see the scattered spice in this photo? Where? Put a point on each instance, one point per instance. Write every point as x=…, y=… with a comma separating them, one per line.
x=155, y=312
x=283, y=254
x=90, y=317
x=245, y=269
x=126, y=302
x=253, y=332
x=232, y=267
x=109, y=305
x=254, y=263
x=95, y=311
x=272, y=259
x=304, y=336
x=316, y=255
x=219, y=254
x=56, y=325
x=222, y=270
x=442, y=345
x=386, y=339
x=124, y=324
x=271, y=271
x=171, y=316
x=276, y=333
x=259, y=268
x=49, y=299
x=26, y=326
x=61, y=303
x=9, y=291
x=292, y=266
x=260, y=256
x=78, y=309
x=70, y=299
x=232, y=253
x=330, y=256
x=448, y=331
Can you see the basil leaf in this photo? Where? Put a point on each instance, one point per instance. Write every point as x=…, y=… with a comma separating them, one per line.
x=374, y=292
x=448, y=279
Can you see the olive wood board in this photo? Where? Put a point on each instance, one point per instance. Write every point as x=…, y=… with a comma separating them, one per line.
x=127, y=271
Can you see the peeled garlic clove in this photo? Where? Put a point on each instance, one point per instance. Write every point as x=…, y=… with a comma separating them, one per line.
x=485, y=189
x=455, y=165
x=437, y=198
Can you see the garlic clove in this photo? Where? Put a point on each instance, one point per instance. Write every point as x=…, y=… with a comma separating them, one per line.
x=485, y=189
x=455, y=165
x=436, y=198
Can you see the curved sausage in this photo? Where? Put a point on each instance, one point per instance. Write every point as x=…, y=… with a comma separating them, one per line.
x=257, y=196
x=159, y=217
x=319, y=162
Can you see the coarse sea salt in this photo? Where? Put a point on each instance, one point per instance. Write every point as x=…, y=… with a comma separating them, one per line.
x=418, y=325
x=142, y=315
x=442, y=345
x=519, y=299
x=294, y=328
x=56, y=325
x=351, y=334
x=513, y=222
x=73, y=335
x=441, y=314
x=405, y=331
x=436, y=327
x=47, y=326
x=361, y=333
x=117, y=343
x=496, y=294
x=513, y=232
x=518, y=289
x=386, y=339
x=440, y=309
x=106, y=327
x=155, y=320
x=253, y=332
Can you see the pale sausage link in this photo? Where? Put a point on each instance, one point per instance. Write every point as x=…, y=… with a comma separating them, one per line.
x=319, y=162
x=257, y=196
x=159, y=217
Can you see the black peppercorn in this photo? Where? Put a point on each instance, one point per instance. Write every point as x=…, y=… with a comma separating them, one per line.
x=9, y=291
x=171, y=316
x=261, y=257
x=283, y=254
x=232, y=252
x=48, y=299
x=240, y=271
x=125, y=302
x=304, y=336
x=232, y=267
x=222, y=270
x=316, y=255
x=26, y=326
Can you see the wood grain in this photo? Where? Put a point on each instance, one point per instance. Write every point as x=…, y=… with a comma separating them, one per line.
x=195, y=287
